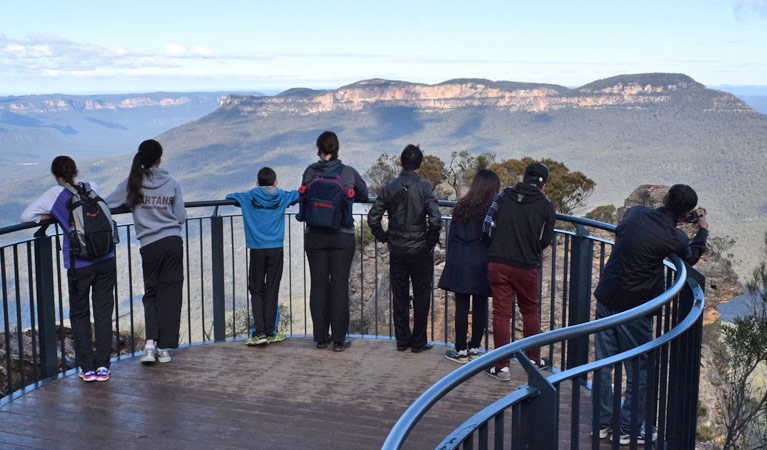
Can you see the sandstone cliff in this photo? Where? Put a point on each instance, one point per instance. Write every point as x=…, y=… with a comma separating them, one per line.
x=627, y=91
x=40, y=104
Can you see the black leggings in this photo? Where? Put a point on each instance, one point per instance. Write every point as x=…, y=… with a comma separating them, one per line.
x=330, y=258
x=478, y=320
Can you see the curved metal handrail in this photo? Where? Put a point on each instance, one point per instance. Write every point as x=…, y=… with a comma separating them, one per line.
x=423, y=403
x=526, y=391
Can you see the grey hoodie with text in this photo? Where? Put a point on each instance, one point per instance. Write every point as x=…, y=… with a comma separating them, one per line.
x=161, y=214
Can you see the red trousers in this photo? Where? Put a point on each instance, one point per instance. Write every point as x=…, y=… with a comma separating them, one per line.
x=505, y=281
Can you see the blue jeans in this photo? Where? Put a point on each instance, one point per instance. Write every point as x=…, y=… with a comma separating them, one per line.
x=611, y=342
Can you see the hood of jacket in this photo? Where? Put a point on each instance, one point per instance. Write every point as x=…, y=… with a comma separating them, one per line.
x=525, y=193
x=326, y=166
x=265, y=197
x=157, y=178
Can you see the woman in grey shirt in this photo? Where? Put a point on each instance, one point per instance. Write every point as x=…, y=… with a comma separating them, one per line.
x=155, y=200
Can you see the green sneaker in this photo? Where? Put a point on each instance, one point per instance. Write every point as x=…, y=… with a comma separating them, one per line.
x=276, y=337
x=256, y=340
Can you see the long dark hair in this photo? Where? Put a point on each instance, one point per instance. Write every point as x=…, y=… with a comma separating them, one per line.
x=476, y=202
x=148, y=153
x=65, y=168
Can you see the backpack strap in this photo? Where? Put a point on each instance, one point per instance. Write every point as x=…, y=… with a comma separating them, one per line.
x=70, y=188
x=397, y=202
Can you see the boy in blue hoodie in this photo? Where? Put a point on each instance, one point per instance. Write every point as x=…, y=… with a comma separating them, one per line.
x=263, y=211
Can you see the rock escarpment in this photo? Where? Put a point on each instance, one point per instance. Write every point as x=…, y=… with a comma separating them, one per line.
x=627, y=91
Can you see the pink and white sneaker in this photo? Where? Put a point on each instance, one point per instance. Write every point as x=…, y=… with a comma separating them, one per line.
x=87, y=376
x=102, y=374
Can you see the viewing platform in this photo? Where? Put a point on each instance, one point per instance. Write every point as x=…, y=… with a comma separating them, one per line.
x=219, y=393
x=288, y=395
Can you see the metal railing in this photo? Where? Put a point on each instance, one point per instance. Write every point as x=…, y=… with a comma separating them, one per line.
x=217, y=307
x=533, y=414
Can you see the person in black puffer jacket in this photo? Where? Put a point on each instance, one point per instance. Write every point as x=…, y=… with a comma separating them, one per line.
x=413, y=231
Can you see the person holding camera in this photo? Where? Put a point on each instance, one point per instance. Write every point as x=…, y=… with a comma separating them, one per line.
x=632, y=276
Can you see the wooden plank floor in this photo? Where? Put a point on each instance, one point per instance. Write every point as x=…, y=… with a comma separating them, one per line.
x=288, y=395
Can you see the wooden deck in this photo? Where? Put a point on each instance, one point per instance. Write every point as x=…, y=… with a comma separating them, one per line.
x=288, y=395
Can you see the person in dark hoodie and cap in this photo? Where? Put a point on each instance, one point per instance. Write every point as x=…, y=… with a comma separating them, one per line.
x=155, y=200
x=263, y=212
x=520, y=224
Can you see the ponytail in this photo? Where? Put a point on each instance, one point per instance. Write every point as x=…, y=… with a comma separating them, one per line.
x=65, y=168
x=148, y=153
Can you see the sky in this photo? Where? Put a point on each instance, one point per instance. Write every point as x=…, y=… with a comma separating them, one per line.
x=89, y=47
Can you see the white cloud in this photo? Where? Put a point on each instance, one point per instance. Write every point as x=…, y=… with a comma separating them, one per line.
x=179, y=51
x=26, y=51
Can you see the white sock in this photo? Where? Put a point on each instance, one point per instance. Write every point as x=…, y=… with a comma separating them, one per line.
x=148, y=346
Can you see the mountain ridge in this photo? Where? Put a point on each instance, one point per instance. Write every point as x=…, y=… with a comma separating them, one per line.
x=636, y=90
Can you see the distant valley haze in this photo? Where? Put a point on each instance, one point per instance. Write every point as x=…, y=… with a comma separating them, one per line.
x=623, y=131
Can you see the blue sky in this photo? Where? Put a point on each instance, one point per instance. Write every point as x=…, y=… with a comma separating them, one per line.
x=140, y=46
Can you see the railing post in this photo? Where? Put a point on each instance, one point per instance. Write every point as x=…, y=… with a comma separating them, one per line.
x=538, y=417
x=217, y=267
x=684, y=373
x=46, y=308
x=579, y=309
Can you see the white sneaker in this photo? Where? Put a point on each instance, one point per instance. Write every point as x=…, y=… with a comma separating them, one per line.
x=626, y=438
x=604, y=431
x=163, y=355
x=150, y=354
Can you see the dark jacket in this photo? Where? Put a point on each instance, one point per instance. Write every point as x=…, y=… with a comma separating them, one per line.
x=352, y=180
x=524, y=227
x=466, y=263
x=409, y=231
x=643, y=239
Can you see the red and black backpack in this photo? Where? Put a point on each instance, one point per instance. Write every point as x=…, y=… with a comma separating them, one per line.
x=324, y=202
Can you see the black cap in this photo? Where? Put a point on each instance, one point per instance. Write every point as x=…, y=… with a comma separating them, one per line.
x=536, y=174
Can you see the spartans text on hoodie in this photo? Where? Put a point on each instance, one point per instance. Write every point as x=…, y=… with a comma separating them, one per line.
x=162, y=212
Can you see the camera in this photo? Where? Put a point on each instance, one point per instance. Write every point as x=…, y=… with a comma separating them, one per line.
x=692, y=217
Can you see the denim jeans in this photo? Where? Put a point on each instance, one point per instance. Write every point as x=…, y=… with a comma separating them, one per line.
x=611, y=342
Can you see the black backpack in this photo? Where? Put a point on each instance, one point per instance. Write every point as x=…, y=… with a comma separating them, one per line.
x=92, y=232
x=324, y=202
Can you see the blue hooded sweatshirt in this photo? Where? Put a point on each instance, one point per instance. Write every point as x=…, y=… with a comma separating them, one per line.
x=263, y=211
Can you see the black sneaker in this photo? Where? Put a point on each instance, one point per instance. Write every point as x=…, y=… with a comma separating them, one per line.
x=543, y=363
x=502, y=374
x=323, y=344
x=421, y=349
x=459, y=356
x=341, y=346
x=403, y=347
